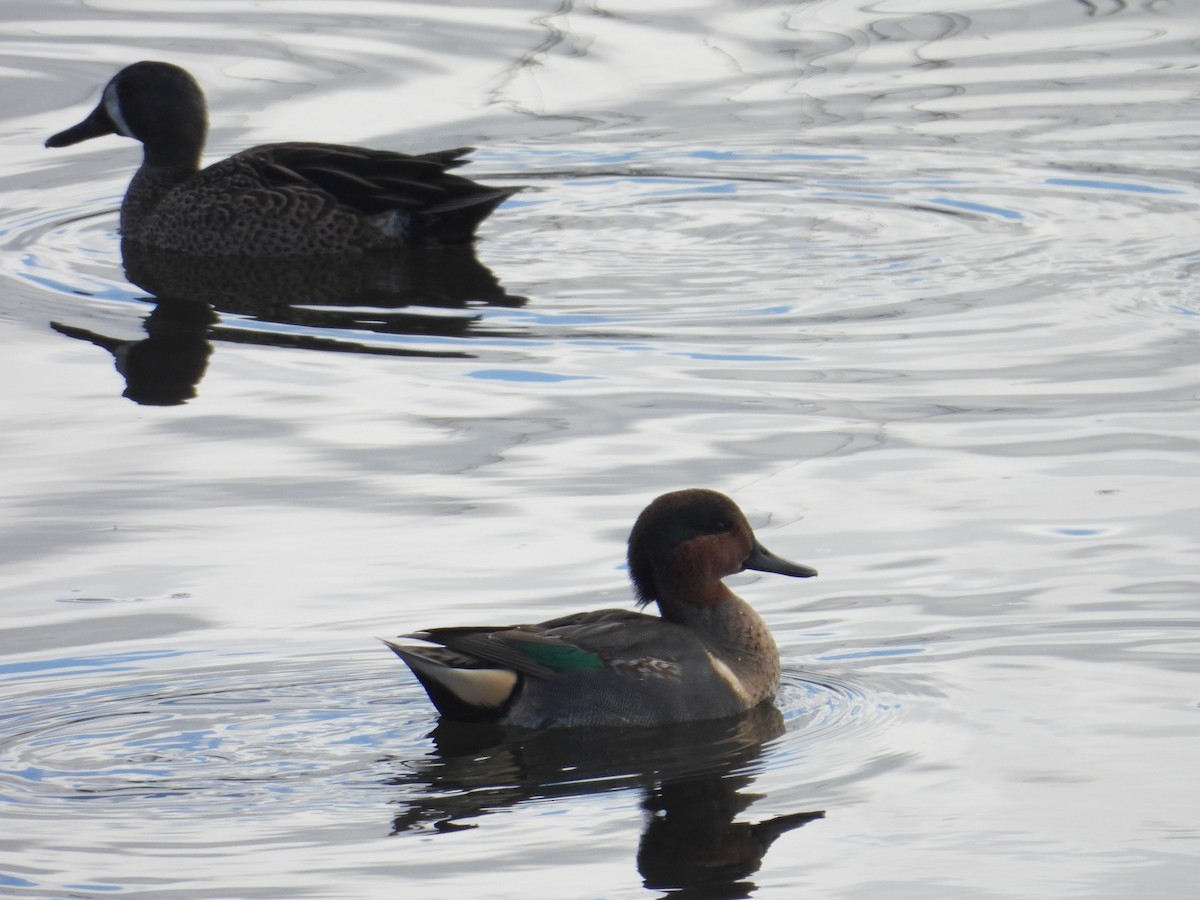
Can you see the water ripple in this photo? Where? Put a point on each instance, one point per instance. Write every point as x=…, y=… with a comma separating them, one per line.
x=212, y=737
x=918, y=287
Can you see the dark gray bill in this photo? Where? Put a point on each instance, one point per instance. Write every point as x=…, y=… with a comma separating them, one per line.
x=97, y=124
x=763, y=560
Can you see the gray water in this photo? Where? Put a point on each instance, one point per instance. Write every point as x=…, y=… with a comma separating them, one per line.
x=915, y=286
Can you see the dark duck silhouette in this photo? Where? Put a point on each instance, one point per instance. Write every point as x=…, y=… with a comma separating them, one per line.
x=273, y=200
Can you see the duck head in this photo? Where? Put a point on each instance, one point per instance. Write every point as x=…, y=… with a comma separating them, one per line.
x=685, y=542
x=156, y=103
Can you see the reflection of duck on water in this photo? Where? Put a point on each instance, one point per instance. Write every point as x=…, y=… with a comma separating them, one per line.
x=351, y=294
x=163, y=368
x=691, y=776
x=287, y=290
x=691, y=839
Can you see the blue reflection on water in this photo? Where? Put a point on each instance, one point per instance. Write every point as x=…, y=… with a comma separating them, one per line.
x=970, y=206
x=119, y=662
x=98, y=292
x=525, y=375
x=14, y=881
x=544, y=318
x=853, y=195
x=1128, y=186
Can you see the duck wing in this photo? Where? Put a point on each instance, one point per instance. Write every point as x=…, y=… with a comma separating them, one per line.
x=372, y=181
x=576, y=643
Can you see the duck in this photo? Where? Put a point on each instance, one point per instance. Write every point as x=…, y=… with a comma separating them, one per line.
x=273, y=200
x=707, y=655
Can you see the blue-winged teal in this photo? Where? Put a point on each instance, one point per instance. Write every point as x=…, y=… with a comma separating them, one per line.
x=274, y=199
x=709, y=655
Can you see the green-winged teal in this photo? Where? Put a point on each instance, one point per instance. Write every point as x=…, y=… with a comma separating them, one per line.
x=274, y=199
x=707, y=656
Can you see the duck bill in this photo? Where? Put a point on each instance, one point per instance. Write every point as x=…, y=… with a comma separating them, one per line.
x=98, y=124
x=763, y=560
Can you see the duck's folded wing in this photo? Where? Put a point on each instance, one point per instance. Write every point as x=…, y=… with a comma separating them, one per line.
x=368, y=180
x=518, y=649
x=575, y=643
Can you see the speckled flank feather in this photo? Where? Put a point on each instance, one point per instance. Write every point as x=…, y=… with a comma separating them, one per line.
x=275, y=199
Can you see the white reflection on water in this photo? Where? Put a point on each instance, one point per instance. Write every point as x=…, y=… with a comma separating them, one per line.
x=915, y=287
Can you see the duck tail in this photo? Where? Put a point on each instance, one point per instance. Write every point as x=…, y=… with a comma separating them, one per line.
x=462, y=688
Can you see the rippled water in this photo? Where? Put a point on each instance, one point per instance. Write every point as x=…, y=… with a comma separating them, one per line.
x=914, y=286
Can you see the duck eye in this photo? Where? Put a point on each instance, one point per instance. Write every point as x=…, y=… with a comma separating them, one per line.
x=716, y=526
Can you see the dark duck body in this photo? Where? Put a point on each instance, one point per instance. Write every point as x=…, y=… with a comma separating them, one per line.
x=275, y=199
x=709, y=655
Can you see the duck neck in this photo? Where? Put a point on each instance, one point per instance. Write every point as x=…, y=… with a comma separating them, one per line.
x=149, y=185
x=181, y=152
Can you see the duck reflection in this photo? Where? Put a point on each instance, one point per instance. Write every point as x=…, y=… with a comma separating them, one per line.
x=407, y=292
x=692, y=778
x=163, y=368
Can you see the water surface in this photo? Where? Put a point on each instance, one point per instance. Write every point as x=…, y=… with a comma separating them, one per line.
x=915, y=287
